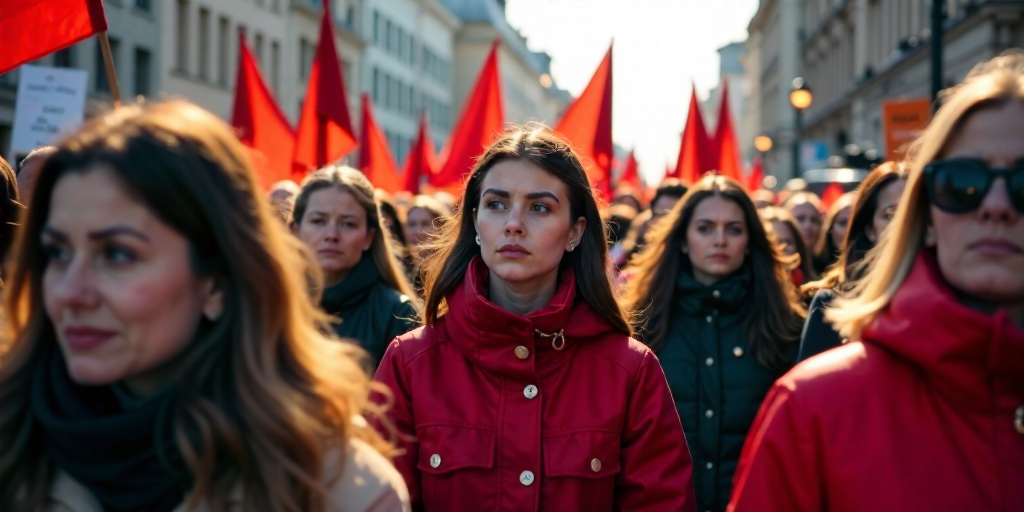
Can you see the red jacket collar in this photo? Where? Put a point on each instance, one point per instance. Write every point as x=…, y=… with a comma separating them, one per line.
x=962, y=351
x=486, y=334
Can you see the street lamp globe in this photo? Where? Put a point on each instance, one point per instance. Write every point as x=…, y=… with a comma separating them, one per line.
x=763, y=143
x=800, y=95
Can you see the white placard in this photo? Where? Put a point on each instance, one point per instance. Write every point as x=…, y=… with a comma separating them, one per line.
x=50, y=104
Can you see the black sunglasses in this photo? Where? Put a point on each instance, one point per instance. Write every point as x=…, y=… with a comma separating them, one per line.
x=959, y=185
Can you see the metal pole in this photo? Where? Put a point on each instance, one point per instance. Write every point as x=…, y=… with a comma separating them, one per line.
x=108, y=64
x=938, y=17
x=798, y=128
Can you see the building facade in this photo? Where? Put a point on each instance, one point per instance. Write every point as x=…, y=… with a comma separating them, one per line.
x=408, y=55
x=855, y=55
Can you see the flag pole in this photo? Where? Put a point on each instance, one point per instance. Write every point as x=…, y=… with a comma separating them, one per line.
x=108, y=63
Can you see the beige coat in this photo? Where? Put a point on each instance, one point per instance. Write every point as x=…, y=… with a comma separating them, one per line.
x=369, y=483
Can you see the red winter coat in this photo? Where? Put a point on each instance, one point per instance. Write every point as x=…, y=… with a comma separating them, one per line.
x=504, y=422
x=919, y=416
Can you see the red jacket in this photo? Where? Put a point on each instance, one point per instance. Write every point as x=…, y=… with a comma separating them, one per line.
x=918, y=416
x=505, y=422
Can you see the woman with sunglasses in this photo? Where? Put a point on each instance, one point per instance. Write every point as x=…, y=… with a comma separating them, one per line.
x=925, y=411
x=877, y=197
x=524, y=391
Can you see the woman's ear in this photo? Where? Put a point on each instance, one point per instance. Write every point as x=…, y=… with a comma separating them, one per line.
x=576, y=233
x=213, y=305
x=293, y=227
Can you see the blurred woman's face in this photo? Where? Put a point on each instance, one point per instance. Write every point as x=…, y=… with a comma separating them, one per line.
x=523, y=220
x=335, y=227
x=888, y=198
x=716, y=239
x=981, y=252
x=840, y=225
x=118, y=285
x=419, y=225
x=809, y=219
x=785, y=237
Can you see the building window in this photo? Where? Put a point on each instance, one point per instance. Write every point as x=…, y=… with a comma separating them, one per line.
x=388, y=94
x=275, y=66
x=410, y=107
x=142, y=71
x=350, y=17
x=400, y=46
x=388, y=34
x=376, y=27
x=223, y=42
x=144, y=5
x=346, y=74
x=64, y=58
x=410, y=56
x=182, y=49
x=375, y=87
x=259, y=49
x=306, y=51
x=204, y=43
x=102, y=85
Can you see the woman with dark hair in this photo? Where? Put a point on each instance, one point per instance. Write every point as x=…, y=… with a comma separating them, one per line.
x=365, y=286
x=161, y=352
x=837, y=220
x=877, y=197
x=805, y=207
x=547, y=403
x=717, y=306
x=668, y=194
x=10, y=210
x=783, y=227
x=924, y=408
x=393, y=221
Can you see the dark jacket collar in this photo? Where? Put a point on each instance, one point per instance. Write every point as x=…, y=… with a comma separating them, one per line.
x=487, y=334
x=968, y=355
x=728, y=294
x=352, y=290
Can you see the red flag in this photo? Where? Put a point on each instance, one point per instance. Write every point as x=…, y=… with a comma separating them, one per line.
x=482, y=117
x=325, y=127
x=260, y=123
x=670, y=172
x=34, y=28
x=695, y=151
x=831, y=194
x=755, y=181
x=374, y=157
x=421, y=161
x=587, y=125
x=631, y=173
x=726, y=148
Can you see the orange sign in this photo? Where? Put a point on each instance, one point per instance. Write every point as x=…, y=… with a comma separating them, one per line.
x=904, y=119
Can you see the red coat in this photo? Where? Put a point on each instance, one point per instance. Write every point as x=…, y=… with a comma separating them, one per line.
x=918, y=416
x=505, y=422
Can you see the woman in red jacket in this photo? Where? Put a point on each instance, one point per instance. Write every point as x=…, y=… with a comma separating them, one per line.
x=524, y=391
x=926, y=412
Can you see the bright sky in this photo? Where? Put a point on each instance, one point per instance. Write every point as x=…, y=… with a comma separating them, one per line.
x=660, y=47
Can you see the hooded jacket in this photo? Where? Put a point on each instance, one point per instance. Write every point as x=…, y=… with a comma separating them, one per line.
x=498, y=413
x=926, y=413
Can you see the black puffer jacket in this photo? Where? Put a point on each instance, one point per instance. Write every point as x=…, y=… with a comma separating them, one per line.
x=717, y=383
x=371, y=312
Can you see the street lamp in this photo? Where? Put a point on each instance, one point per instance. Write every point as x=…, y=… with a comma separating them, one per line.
x=800, y=97
x=763, y=143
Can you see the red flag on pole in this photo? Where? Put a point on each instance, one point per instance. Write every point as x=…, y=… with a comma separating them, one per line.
x=631, y=173
x=670, y=172
x=260, y=123
x=482, y=117
x=374, y=156
x=325, y=127
x=587, y=125
x=755, y=181
x=34, y=28
x=421, y=161
x=831, y=194
x=695, y=152
x=726, y=147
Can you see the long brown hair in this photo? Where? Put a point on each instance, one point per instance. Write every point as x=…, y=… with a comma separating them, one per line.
x=775, y=314
x=359, y=187
x=267, y=394
x=856, y=243
x=771, y=214
x=826, y=249
x=10, y=208
x=455, y=246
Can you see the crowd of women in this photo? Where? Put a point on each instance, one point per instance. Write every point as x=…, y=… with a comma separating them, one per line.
x=174, y=339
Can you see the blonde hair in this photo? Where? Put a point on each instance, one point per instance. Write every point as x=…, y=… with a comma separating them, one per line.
x=267, y=394
x=990, y=84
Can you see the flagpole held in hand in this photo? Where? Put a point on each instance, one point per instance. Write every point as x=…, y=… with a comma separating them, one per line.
x=108, y=63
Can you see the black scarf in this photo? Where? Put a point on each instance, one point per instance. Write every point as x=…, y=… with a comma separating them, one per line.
x=128, y=459
x=352, y=290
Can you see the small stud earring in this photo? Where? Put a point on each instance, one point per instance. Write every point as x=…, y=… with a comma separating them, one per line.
x=478, y=239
